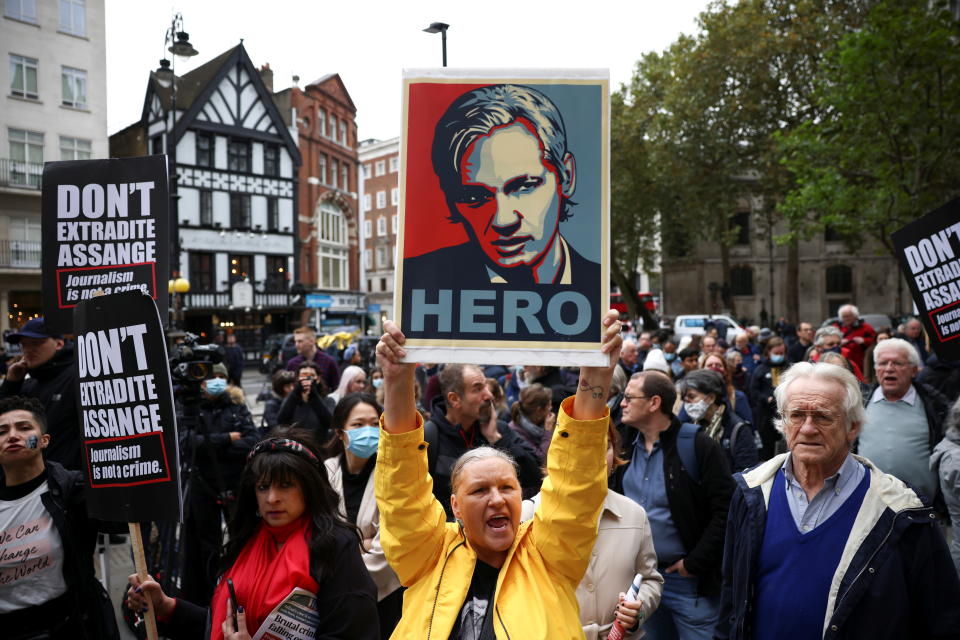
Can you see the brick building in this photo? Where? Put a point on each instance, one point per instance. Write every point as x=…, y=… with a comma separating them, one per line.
x=381, y=201
x=328, y=223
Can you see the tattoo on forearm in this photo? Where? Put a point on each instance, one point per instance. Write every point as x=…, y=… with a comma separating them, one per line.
x=595, y=390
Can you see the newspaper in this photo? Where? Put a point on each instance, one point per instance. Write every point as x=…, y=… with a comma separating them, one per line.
x=295, y=618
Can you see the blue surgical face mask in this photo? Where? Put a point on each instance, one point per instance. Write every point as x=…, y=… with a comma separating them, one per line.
x=363, y=441
x=669, y=357
x=377, y=382
x=216, y=386
x=776, y=358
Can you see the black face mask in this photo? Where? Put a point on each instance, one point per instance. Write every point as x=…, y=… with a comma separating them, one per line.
x=834, y=350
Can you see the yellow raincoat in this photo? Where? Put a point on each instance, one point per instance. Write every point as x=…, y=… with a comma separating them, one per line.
x=535, y=596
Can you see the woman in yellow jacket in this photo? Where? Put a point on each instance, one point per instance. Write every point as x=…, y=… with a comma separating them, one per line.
x=488, y=575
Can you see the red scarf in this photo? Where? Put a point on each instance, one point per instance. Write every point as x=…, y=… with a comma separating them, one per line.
x=264, y=575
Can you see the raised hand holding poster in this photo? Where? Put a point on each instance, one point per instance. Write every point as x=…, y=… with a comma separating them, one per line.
x=105, y=228
x=504, y=216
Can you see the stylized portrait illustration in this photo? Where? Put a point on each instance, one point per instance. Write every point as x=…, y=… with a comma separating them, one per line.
x=503, y=212
x=508, y=176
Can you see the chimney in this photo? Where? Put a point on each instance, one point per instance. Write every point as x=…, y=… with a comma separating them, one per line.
x=266, y=73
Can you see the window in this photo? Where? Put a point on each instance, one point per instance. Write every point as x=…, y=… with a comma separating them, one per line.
x=23, y=76
x=366, y=203
x=72, y=18
x=25, y=10
x=323, y=168
x=333, y=268
x=381, y=226
x=201, y=271
x=74, y=148
x=271, y=160
x=333, y=127
x=273, y=214
x=334, y=172
x=394, y=219
x=206, y=208
x=741, y=281
x=741, y=224
x=343, y=133
x=367, y=229
x=367, y=173
x=395, y=196
x=830, y=234
x=382, y=262
x=156, y=144
x=367, y=259
x=381, y=199
x=839, y=279
x=322, y=121
x=26, y=156
x=239, y=211
x=383, y=284
x=345, y=176
x=333, y=228
x=369, y=285
x=238, y=155
x=379, y=167
x=241, y=267
x=74, y=85
x=394, y=164
x=276, y=281
x=204, y=149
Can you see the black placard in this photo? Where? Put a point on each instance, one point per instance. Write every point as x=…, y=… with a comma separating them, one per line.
x=105, y=227
x=929, y=254
x=125, y=402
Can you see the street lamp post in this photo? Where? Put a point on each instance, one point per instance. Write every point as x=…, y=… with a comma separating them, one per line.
x=441, y=28
x=179, y=45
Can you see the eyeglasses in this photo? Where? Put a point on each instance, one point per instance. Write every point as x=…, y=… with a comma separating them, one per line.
x=629, y=398
x=893, y=364
x=821, y=419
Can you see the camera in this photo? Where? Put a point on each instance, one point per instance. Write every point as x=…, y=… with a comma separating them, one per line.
x=191, y=362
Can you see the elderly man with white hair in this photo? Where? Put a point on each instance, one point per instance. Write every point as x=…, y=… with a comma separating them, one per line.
x=905, y=417
x=858, y=335
x=821, y=543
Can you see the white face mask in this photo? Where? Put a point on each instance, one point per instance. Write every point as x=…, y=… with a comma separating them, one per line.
x=696, y=410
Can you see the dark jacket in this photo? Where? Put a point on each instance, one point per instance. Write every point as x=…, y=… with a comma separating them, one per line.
x=900, y=582
x=53, y=384
x=329, y=370
x=217, y=459
x=271, y=411
x=699, y=510
x=797, y=352
x=66, y=503
x=234, y=360
x=314, y=414
x=764, y=406
x=452, y=442
x=346, y=600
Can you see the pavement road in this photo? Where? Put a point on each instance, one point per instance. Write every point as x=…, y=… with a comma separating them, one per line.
x=117, y=559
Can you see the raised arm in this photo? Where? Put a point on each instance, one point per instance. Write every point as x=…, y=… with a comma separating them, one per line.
x=399, y=407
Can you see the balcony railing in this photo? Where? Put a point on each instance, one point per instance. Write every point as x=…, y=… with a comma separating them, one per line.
x=223, y=300
x=23, y=175
x=20, y=254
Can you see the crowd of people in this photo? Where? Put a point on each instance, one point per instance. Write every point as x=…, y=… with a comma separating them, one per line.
x=793, y=483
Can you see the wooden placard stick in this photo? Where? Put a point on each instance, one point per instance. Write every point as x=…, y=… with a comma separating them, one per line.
x=140, y=562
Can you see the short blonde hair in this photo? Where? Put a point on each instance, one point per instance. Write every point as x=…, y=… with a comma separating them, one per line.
x=307, y=331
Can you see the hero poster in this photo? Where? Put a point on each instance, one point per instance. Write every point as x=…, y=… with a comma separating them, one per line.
x=503, y=248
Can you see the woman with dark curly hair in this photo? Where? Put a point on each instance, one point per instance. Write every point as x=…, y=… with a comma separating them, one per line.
x=288, y=533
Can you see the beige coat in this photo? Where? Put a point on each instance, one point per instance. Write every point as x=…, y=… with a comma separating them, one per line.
x=368, y=521
x=624, y=533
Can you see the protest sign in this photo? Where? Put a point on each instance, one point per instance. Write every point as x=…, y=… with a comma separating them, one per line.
x=105, y=228
x=929, y=254
x=504, y=215
x=126, y=410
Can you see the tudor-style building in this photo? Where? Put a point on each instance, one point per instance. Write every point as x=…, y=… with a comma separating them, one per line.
x=237, y=165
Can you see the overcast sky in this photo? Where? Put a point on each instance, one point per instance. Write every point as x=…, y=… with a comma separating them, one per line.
x=369, y=42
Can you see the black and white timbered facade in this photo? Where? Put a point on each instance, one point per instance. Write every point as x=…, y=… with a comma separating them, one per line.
x=237, y=208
